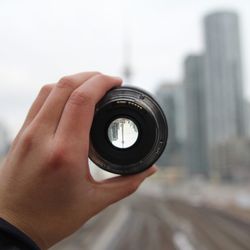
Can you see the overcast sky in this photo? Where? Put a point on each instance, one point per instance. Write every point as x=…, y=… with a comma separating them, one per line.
x=44, y=40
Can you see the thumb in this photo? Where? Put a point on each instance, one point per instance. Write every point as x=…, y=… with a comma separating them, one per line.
x=117, y=188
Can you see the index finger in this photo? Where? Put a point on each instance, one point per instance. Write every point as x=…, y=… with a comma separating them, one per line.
x=77, y=116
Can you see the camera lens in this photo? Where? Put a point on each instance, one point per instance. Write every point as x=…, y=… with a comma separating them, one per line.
x=129, y=131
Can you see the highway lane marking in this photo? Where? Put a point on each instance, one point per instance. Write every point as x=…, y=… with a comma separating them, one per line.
x=105, y=239
x=182, y=242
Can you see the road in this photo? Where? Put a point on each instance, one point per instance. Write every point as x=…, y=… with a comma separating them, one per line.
x=157, y=222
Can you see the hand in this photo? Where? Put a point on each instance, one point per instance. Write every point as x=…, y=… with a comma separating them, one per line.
x=46, y=189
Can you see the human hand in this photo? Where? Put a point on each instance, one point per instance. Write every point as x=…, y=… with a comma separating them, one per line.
x=46, y=189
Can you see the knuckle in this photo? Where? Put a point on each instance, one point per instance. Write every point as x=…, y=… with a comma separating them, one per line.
x=81, y=98
x=58, y=156
x=66, y=82
x=28, y=140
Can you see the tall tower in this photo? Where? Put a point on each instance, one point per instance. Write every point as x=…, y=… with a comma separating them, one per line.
x=196, y=155
x=223, y=83
x=170, y=97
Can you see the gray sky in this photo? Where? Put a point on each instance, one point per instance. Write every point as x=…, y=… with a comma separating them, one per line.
x=44, y=40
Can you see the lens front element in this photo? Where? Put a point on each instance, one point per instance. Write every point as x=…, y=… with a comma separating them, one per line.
x=122, y=133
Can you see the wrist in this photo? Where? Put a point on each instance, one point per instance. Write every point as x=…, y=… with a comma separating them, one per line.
x=25, y=228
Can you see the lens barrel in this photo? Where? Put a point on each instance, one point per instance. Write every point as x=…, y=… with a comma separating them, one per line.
x=140, y=109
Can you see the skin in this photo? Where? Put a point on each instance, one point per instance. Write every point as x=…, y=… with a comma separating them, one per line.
x=46, y=188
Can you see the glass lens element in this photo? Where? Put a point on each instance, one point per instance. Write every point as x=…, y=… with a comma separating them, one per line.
x=122, y=133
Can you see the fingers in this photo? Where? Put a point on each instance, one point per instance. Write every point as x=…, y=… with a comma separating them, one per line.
x=35, y=108
x=50, y=113
x=117, y=188
x=38, y=103
x=78, y=113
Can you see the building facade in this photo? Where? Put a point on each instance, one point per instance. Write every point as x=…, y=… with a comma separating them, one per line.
x=170, y=97
x=194, y=84
x=224, y=102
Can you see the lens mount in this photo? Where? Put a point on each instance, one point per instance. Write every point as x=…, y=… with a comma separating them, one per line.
x=124, y=107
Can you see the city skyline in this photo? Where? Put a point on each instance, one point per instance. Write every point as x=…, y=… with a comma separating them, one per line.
x=39, y=45
x=214, y=105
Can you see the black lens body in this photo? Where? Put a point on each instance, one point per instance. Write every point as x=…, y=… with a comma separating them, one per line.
x=139, y=107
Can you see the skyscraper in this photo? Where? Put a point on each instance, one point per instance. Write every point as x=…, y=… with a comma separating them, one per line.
x=170, y=97
x=224, y=104
x=196, y=155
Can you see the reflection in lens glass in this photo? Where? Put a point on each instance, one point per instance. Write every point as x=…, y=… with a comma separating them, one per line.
x=122, y=133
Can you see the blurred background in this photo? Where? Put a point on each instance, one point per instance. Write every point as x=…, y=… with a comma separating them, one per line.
x=194, y=56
